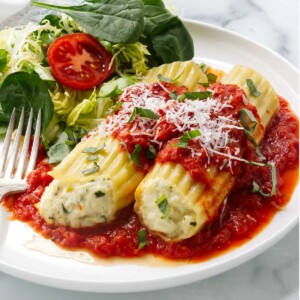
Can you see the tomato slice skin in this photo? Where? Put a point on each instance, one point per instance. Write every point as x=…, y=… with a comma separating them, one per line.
x=79, y=61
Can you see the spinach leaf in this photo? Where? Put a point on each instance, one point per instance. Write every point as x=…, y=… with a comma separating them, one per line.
x=165, y=35
x=26, y=90
x=116, y=21
x=60, y=149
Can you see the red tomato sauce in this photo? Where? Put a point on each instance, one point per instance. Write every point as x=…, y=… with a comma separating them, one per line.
x=239, y=219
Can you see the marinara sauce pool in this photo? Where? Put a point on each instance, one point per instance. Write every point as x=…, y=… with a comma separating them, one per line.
x=241, y=216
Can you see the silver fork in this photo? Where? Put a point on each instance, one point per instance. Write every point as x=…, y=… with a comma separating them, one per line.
x=13, y=171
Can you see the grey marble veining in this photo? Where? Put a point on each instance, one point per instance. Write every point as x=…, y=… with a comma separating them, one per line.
x=273, y=275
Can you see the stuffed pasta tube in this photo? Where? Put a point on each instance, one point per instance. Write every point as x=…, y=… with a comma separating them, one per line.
x=195, y=172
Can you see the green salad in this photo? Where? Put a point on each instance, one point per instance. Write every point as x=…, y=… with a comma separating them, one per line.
x=75, y=63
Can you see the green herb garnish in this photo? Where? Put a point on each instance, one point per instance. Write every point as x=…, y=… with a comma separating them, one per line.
x=64, y=209
x=142, y=238
x=184, y=139
x=151, y=152
x=168, y=80
x=211, y=77
x=92, y=170
x=193, y=223
x=135, y=156
x=114, y=108
x=93, y=150
x=99, y=194
x=198, y=95
x=92, y=157
x=257, y=189
x=142, y=112
x=252, y=88
x=162, y=203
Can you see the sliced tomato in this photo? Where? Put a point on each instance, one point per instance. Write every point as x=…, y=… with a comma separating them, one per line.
x=79, y=61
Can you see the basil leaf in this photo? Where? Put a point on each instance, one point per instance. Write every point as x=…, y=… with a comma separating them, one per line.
x=203, y=67
x=114, y=108
x=142, y=112
x=26, y=90
x=93, y=150
x=198, y=95
x=168, y=80
x=142, y=238
x=175, y=96
x=3, y=59
x=252, y=88
x=116, y=21
x=246, y=116
x=92, y=157
x=135, y=156
x=58, y=151
x=92, y=170
x=163, y=205
x=257, y=189
x=151, y=152
x=211, y=77
x=99, y=194
x=184, y=140
x=206, y=84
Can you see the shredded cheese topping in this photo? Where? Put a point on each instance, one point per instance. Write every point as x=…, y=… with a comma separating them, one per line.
x=185, y=116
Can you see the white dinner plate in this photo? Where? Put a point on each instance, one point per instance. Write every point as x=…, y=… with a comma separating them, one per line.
x=26, y=255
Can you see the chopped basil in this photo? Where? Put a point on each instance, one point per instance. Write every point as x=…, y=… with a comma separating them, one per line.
x=177, y=97
x=211, y=77
x=206, y=84
x=114, y=108
x=99, y=194
x=252, y=88
x=193, y=223
x=92, y=170
x=151, y=152
x=246, y=116
x=142, y=112
x=142, y=238
x=93, y=150
x=203, y=67
x=92, y=157
x=135, y=156
x=168, y=80
x=126, y=149
x=249, y=124
x=184, y=139
x=163, y=205
x=198, y=95
x=257, y=189
x=64, y=209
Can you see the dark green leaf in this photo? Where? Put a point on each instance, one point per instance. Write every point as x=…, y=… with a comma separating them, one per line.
x=142, y=238
x=26, y=90
x=116, y=21
x=99, y=194
x=115, y=108
x=151, y=152
x=135, y=156
x=206, y=84
x=252, y=88
x=203, y=67
x=198, y=95
x=193, y=223
x=164, y=34
x=184, y=139
x=3, y=59
x=54, y=20
x=59, y=150
x=92, y=170
x=162, y=203
x=142, y=112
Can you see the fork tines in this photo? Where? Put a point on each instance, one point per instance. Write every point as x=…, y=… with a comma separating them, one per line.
x=15, y=165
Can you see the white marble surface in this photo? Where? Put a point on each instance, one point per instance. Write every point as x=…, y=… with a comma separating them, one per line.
x=273, y=274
